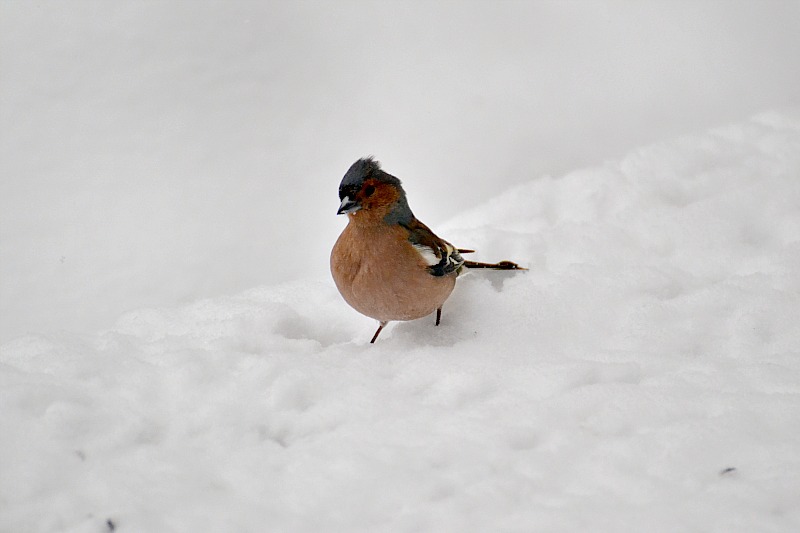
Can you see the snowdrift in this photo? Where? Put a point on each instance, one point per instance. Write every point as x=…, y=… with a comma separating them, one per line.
x=643, y=375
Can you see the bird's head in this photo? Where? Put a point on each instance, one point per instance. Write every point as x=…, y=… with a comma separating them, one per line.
x=369, y=193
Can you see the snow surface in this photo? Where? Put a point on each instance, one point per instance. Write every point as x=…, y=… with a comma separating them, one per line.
x=643, y=375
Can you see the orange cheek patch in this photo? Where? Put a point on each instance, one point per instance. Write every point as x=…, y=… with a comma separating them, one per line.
x=383, y=196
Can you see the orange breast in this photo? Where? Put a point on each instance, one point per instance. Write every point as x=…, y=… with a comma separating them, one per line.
x=382, y=276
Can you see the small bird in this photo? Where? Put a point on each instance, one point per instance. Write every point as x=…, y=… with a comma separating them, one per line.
x=387, y=264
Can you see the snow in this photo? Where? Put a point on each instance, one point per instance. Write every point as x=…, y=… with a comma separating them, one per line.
x=174, y=356
x=643, y=375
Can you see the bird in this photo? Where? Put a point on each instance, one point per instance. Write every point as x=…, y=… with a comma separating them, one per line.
x=387, y=264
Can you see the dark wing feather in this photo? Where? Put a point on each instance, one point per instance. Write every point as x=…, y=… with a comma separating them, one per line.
x=430, y=246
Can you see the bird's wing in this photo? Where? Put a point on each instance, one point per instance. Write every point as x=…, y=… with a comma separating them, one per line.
x=441, y=256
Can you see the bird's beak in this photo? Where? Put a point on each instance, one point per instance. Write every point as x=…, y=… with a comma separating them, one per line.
x=348, y=206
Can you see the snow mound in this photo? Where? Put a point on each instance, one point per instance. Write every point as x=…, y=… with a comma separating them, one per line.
x=644, y=374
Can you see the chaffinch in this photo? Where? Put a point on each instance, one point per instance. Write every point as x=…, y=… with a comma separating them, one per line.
x=387, y=264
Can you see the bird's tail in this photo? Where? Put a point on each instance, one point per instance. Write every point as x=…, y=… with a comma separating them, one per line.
x=502, y=265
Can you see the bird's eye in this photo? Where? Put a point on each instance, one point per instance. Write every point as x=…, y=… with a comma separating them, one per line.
x=368, y=190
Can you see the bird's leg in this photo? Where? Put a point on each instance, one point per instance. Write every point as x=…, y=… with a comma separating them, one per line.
x=383, y=323
x=438, y=316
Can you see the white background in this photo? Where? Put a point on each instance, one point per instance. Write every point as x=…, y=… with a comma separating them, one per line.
x=156, y=152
